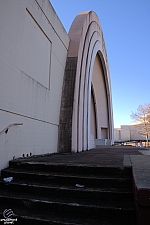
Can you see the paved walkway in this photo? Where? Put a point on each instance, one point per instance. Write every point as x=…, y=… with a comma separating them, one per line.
x=103, y=156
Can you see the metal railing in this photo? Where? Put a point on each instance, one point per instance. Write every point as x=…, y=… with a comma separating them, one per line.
x=8, y=127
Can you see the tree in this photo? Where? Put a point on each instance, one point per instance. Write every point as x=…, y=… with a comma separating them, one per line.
x=142, y=120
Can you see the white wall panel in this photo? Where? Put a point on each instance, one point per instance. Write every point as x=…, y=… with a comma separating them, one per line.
x=33, y=46
x=36, y=57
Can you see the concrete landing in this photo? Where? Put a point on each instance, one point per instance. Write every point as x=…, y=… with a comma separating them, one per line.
x=104, y=156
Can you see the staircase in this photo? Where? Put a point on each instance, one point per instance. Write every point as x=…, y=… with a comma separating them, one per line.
x=53, y=193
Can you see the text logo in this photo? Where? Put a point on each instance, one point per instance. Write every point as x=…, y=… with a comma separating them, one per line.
x=8, y=214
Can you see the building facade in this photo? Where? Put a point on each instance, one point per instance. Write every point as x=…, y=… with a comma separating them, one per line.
x=55, y=88
x=128, y=133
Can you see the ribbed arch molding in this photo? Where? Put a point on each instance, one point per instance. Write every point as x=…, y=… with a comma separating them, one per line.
x=86, y=41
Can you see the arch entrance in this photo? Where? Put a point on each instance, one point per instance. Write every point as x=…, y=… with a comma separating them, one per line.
x=100, y=100
x=86, y=108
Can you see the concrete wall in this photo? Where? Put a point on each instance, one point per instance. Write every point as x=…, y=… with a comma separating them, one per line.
x=122, y=134
x=33, y=46
x=117, y=135
x=125, y=135
x=135, y=133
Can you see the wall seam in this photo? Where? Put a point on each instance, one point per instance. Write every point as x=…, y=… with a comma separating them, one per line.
x=28, y=117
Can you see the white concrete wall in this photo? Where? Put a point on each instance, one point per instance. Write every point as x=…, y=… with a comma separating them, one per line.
x=137, y=137
x=102, y=142
x=117, y=135
x=135, y=133
x=86, y=42
x=92, y=142
x=125, y=135
x=122, y=134
x=33, y=46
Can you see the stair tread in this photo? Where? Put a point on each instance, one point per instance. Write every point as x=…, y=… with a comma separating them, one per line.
x=66, y=187
x=65, y=218
x=70, y=174
x=47, y=193
x=66, y=201
x=68, y=167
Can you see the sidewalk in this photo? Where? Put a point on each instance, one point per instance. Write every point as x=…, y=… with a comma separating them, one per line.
x=103, y=156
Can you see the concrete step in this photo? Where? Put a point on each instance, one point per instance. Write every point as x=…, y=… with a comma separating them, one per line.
x=87, y=180
x=43, y=192
x=24, y=216
x=36, y=203
x=70, y=168
x=69, y=191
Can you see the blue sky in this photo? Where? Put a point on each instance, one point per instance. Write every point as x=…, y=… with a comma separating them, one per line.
x=126, y=28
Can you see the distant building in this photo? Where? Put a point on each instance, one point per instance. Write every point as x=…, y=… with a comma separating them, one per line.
x=55, y=88
x=128, y=133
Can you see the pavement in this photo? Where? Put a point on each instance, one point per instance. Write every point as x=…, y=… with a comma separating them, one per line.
x=103, y=156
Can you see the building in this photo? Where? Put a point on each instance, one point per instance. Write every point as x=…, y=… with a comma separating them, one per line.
x=55, y=88
x=128, y=133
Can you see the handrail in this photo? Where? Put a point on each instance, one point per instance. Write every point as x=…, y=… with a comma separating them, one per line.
x=11, y=125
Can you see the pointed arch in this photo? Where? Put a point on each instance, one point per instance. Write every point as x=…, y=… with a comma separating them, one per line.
x=86, y=41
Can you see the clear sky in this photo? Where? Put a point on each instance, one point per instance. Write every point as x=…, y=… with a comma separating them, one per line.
x=126, y=28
